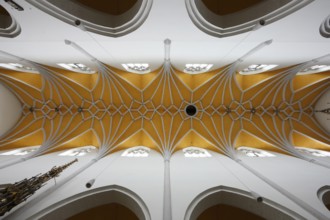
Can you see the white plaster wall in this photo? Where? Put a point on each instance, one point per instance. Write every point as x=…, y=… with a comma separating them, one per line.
x=192, y=176
x=10, y=110
x=189, y=177
x=300, y=177
x=296, y=39
x=144, y=176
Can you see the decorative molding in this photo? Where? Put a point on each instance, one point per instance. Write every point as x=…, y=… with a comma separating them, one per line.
x=257, y=68
x=139, y=151
x=195, y=152
x=313, y=152
x=78, y=152
x=19, y=67
x=139, y=68
x=21, y=152
x=314, y=69
x=77, y=67
x=253, y=152
x=197, y=68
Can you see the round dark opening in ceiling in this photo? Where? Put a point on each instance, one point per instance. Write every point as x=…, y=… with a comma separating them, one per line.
x=191, y=110
x=221, y=7
x=112, y=7
x=5, y=18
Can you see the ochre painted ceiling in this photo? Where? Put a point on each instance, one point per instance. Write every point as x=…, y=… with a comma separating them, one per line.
x=114, y=110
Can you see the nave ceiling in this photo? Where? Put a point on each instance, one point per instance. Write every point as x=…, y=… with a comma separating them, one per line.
x=113, y=109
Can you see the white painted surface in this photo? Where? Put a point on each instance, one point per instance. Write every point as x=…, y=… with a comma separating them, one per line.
x=296, y=39
x=189, y=178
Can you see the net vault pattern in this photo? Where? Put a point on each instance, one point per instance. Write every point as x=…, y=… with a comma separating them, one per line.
x=113, y=110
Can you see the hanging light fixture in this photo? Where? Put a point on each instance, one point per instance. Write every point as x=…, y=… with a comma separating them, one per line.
x=16, y=193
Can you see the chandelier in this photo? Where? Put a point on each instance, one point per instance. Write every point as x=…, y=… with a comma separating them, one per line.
x=16, y=193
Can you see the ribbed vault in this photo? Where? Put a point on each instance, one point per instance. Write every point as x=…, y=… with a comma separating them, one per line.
x=113, y=110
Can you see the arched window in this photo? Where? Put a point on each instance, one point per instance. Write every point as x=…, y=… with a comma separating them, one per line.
x=313, y=152
x=19, y=67
x=252, y=152
x=257, y=68
x=195, y=152
x=139, y=68
x=77, y=67
x=314, y=69
x=21, y=152
x=139, y=151
x=78, y=152
x=196, y=68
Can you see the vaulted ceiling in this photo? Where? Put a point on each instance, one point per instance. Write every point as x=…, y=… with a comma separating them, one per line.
x=115, y=109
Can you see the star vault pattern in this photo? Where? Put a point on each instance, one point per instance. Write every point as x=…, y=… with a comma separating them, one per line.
x=114, y=110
